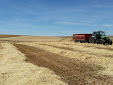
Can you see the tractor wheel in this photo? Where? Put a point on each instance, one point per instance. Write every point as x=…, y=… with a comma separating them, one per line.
x=102, y=41
x=110, y=42
x=91, y=40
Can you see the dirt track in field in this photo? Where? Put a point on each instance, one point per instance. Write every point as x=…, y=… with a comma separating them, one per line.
x=73, y=72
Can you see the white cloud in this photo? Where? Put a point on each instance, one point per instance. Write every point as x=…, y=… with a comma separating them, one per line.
x=107, y=25
x=68, y=23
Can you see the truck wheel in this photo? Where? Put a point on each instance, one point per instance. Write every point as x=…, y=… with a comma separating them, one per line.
x=80, y=41
x=75, y=40
x=84, y=42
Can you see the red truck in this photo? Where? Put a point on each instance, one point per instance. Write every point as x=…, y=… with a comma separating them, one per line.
x=81, y=37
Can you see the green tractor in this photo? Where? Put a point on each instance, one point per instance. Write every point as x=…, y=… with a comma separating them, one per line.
x=100, y=38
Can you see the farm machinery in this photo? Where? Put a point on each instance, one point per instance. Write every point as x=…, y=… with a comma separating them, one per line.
x=96, y=37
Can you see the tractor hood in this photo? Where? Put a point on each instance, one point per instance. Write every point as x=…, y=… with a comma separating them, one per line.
x=104, y=37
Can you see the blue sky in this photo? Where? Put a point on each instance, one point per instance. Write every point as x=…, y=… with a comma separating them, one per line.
x=55, y=17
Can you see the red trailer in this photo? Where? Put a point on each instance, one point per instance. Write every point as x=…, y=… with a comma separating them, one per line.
x=81, y=37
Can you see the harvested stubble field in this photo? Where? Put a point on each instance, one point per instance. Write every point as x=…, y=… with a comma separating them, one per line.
x=33, y=60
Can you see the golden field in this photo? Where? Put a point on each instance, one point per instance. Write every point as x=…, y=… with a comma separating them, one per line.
x=36, y=60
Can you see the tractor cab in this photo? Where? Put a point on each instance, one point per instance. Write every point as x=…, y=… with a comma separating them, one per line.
x=101, y=33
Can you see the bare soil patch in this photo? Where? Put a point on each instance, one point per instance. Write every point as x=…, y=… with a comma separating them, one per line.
x=73, y=72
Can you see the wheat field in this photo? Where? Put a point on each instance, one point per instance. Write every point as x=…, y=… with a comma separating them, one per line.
x=36, y=60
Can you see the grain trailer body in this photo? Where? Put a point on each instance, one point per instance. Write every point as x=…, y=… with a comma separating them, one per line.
x=81, y=37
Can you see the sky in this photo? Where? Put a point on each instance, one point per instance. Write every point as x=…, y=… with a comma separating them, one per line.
x=55, y=17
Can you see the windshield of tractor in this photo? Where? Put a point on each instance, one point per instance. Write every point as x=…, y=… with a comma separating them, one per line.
x=102, y=33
